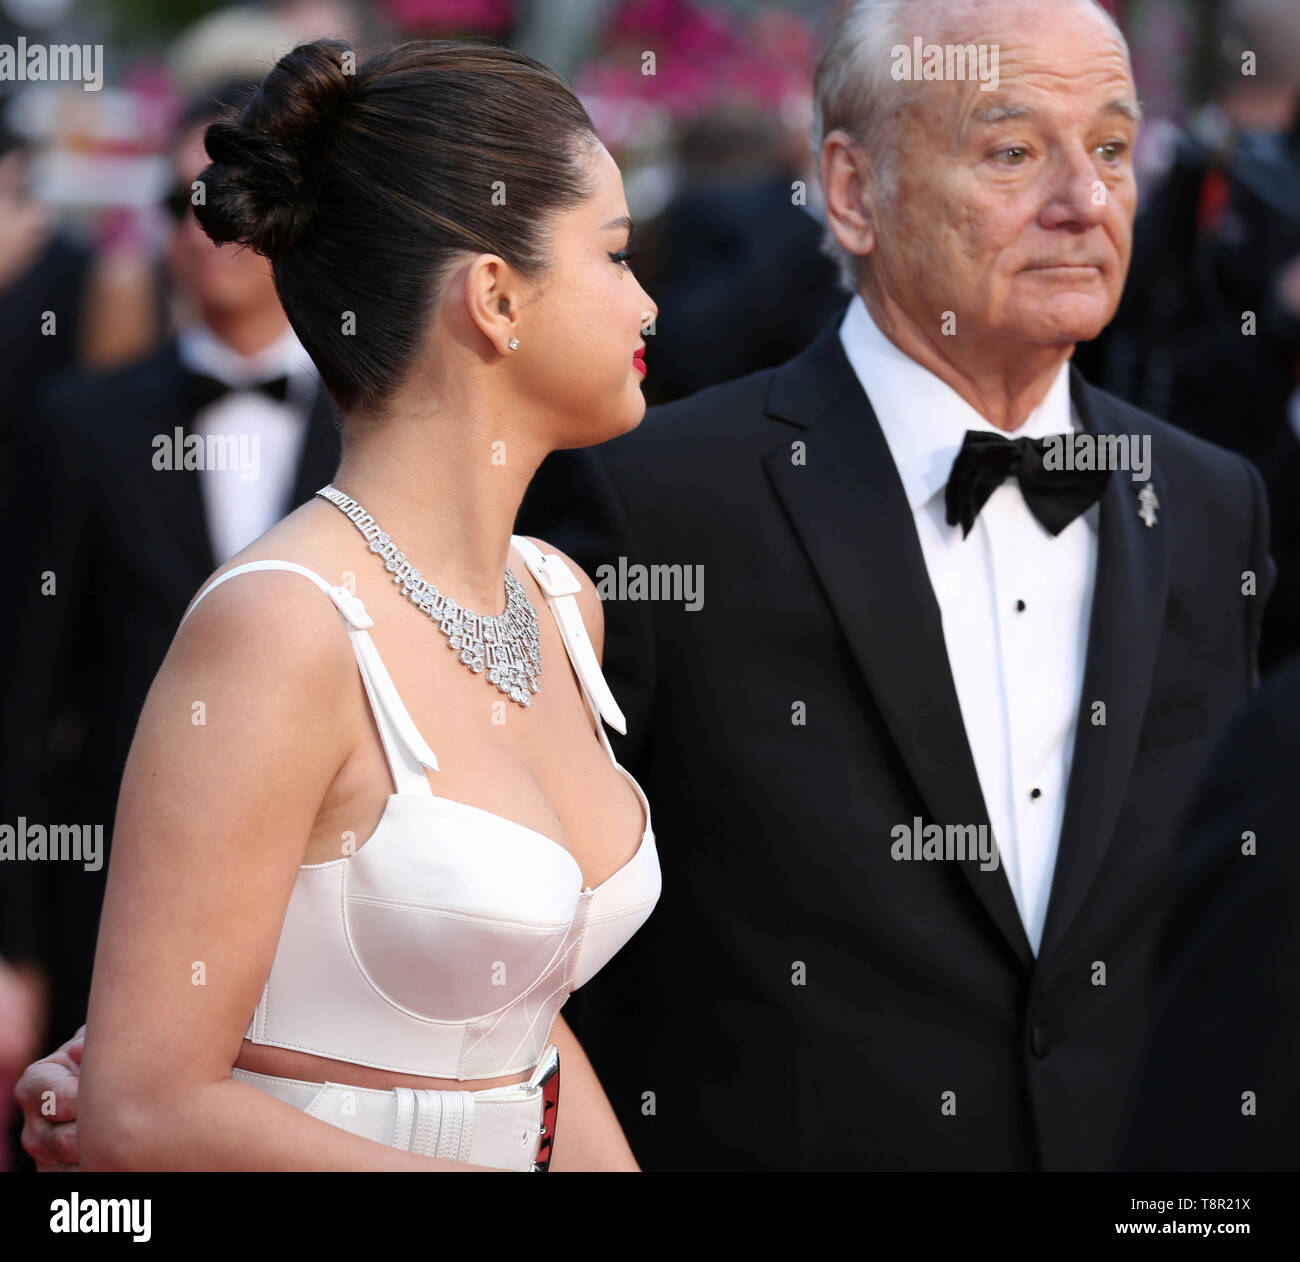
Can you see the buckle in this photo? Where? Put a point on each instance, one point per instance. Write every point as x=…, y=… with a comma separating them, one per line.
x=554, y=577
x=547, y=1077
x=352, y=608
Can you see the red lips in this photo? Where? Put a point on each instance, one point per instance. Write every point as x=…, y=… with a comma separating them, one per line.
x=638, y=359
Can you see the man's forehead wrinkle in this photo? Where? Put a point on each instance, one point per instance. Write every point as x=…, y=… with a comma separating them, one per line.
x=1021, y=62
x=1037, y=90
x=1018, y=62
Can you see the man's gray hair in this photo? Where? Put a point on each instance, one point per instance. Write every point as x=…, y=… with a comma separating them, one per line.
x=854, y=91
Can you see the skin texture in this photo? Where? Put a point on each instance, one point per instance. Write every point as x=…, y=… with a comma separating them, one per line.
x=1021, y=228
x=213, y=820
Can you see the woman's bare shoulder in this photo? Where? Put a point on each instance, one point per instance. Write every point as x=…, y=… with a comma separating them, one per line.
x=274, y=611
x=300, y=537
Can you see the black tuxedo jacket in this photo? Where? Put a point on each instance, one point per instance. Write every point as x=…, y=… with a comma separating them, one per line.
x=799, y=999
x=129, y=547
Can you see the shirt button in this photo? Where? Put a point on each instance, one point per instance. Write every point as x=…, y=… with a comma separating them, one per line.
x=1035, y=794
x=1040, y=1042
x=1020, y=606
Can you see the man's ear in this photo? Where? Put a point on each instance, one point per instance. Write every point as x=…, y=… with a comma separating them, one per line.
x=493, y=291
x=848, y=184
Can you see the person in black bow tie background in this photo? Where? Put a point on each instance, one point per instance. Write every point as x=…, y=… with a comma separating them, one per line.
x=925, y=604
x=135, y=485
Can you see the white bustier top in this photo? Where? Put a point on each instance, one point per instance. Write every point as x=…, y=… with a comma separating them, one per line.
x=446, y=944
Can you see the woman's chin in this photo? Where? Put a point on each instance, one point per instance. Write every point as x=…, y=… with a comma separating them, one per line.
x=609, y=425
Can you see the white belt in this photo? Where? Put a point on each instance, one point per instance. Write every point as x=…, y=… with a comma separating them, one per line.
x=501, y=1127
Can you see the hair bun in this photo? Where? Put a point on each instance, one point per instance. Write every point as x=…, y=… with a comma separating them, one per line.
x=268, y=165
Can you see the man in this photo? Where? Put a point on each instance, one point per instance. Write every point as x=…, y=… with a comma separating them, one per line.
x=813, y=993
x=113, y=534
x=823, y=986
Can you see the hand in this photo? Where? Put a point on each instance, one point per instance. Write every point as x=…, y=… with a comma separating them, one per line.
x=47, y=1095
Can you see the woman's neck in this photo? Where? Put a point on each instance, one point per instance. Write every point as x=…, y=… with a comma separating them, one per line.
x=447, y=491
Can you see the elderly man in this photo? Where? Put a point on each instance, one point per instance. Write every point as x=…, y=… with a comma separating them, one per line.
x=917, y=746
x=916, y=638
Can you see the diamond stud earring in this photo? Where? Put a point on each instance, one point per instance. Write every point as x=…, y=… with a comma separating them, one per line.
x=514, y=343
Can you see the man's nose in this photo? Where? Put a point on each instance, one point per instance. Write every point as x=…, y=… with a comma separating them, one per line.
x=1077, y=193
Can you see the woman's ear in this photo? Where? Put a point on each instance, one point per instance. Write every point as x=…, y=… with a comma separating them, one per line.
x=492, y=300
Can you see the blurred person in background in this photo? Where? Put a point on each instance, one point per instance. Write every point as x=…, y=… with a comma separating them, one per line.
x=43, y=282
x=43, y=277
x=737, y=257
x=130, y=308
x=127, y=548
x=1208, y=332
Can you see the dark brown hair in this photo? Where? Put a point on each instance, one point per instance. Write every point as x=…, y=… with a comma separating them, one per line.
x=362, y=188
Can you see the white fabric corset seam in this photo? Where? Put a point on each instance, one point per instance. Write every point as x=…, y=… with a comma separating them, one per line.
x=446, y=944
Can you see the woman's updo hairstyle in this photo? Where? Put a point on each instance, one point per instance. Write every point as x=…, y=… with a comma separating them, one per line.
x=363, y=183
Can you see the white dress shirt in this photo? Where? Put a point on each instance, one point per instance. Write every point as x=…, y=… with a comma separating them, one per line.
x=241, y=504
x=1015, y=603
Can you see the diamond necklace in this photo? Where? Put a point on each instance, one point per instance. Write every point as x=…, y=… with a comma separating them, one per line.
x=506, y=646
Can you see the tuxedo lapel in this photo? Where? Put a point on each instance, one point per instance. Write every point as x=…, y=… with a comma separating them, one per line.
x=848, y=507
x=1123, y=636
x=177, y=491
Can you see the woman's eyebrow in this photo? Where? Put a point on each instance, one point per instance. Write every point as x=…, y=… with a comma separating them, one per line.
x=623, y=221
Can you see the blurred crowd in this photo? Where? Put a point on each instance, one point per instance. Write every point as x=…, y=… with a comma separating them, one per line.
x=120, y=321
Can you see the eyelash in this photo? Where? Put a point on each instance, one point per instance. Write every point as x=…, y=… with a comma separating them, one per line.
x=624, y=256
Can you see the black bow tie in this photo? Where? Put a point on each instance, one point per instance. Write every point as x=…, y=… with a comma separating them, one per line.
x=1055, y=496
x=202, y=390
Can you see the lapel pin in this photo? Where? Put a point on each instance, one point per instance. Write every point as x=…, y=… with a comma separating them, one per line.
x=1147, y=505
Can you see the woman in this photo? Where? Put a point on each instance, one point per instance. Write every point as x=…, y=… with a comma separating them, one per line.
x=449, y=240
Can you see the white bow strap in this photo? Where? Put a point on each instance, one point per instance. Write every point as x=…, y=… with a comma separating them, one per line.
x=394, y=711
x=558, y=583
x=351, y=607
